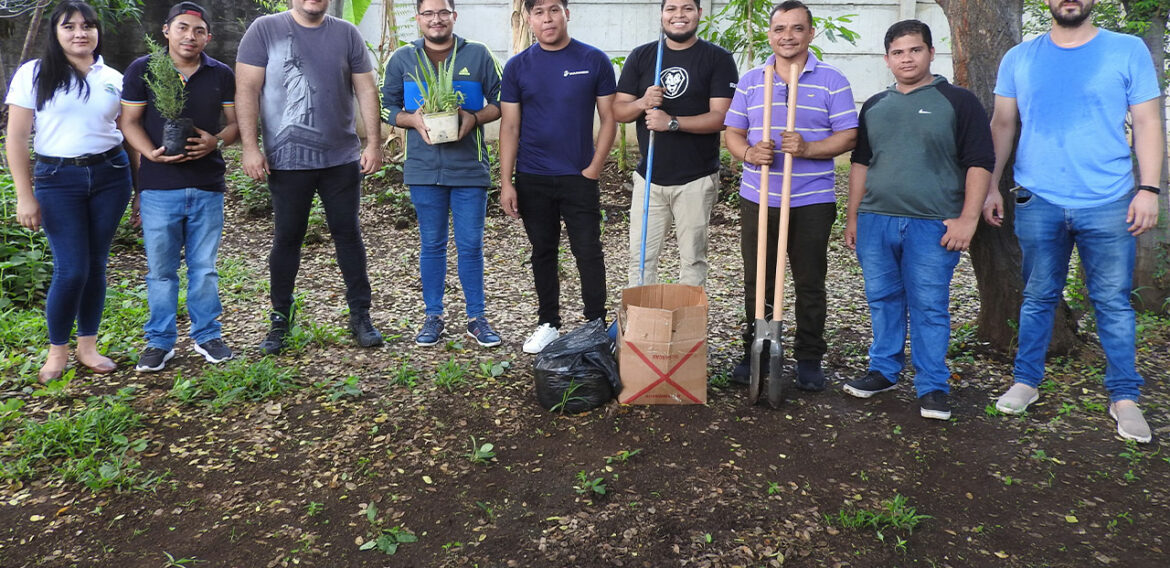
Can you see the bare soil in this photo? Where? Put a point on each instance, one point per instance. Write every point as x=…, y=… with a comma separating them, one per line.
x=288, y=482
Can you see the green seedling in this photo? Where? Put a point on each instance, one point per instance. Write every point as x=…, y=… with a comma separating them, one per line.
x=585, y=486
x=386, y=540
x=773, y=488
x=314, y=508
x=623, y=456
x=488, y=510
x=405, y=375
x=492, y=370
x=567, y=397
x=894, y=514
x=172, y=562
x=451, y=375
x=341, y=388
x=480, y=453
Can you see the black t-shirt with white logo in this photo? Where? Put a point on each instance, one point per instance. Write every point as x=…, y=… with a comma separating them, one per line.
x=690, y=79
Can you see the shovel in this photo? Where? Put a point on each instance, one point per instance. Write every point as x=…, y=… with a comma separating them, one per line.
x=649, y=167
x=769, y=335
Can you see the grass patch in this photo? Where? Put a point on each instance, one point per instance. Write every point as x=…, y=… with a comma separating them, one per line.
x=894, y=515
x=238, y=381
x=89, y=446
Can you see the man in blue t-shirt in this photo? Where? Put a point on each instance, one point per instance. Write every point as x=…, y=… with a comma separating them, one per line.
x=1070, y=90
x=548, y=96
x=179, y=202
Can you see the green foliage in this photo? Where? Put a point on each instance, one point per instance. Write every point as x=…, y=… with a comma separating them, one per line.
x=353, y=11
x=26, y=265
x=894, y=514
x=164, y=82
x=451, y=374
x=386, y=540
x=437, y=84
x=741, y=27
x=480, y=453
x=89, y=446
x=339, y=387
x=405, y=375
x=237, y=381
x=586, y=486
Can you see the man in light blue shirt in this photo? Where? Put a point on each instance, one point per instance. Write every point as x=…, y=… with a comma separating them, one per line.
x=1071, y=89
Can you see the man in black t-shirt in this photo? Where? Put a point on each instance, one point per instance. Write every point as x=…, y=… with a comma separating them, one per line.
x=179, y=201
x=686, y=113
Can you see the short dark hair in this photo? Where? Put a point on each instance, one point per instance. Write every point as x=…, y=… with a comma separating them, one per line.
x=789, y=5
x=530, y=4
x=908, y=27
x=663, y=4
x=418, y=4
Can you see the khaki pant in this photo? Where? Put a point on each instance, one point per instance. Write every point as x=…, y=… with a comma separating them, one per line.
x=688, y=206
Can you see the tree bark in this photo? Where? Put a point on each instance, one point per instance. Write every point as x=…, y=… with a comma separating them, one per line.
x=521, y=32
x=30, y=37
x=1151, y=274
x=981, y=32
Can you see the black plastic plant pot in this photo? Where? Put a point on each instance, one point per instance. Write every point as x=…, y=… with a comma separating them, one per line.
x=175, y=134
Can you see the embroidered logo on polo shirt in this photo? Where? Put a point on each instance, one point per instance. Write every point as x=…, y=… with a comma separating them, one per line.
x=571, y=73
x=674, y=82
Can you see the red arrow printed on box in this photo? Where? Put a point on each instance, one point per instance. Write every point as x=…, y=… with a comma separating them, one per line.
x=663, y=377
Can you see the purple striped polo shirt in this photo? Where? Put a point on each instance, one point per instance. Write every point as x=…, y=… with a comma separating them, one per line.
x=826, y=106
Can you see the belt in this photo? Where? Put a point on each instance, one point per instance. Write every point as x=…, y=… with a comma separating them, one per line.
x=86, y=160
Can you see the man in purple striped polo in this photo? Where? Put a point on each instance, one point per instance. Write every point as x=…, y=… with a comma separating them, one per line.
x=826, y=126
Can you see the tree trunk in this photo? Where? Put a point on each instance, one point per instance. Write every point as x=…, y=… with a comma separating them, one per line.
x=981, y=32
x=1151, y=274
x=521, y=33
x=30, y=37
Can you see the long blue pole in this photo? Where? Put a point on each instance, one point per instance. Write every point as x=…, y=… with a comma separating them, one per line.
x=649, y=167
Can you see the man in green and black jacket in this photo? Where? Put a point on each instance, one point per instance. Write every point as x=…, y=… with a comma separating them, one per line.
x=450, y=178
x=916, y=187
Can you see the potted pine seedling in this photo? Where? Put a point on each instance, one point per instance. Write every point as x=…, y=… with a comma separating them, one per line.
x=440, y=100
x=170, y=98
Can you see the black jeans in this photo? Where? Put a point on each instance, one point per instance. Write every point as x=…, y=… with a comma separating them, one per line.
x=292, y=199
x=808, y=242
x=543, y=202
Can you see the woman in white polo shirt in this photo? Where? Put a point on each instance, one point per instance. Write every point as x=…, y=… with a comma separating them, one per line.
x=80, y=184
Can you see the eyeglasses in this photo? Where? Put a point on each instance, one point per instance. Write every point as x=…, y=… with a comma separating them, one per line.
x=430, y=14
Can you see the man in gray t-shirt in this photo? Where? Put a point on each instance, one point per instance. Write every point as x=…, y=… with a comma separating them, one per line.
x=298, y=71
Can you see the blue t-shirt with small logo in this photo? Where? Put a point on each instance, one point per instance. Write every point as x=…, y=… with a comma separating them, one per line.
x=557, y=92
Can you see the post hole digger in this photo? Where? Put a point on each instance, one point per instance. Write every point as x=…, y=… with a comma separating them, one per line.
x=769, y=335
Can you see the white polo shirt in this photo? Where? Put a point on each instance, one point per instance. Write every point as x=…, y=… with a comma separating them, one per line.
x=69, y=125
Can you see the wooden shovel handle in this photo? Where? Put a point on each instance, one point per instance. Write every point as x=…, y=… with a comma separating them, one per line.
x=785, y=198
x=762, y=225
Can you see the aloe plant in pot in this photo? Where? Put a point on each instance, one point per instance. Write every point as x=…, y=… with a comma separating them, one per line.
x=440, y=100
x=170, y=97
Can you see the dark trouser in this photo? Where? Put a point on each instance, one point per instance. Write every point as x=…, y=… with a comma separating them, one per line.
x=292, y=199
x=81, y=207
x=544, y=201
x=808, y=241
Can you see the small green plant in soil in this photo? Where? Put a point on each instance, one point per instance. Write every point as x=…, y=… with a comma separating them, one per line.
x=567, y=398
x=172, y=562
x=895, y=514
x=164, y=82
x=405, y=375
x=339, y=388
x=586, y=486
x=489, y=512
x=386, y=540
x=314, y=508
x=451, y=374
x=493, y=369
x=238, y=381
x=622, y=456
x=480, y=453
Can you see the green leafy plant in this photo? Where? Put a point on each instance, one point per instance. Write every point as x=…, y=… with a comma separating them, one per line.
x=480, y=453
x=451, y=374
x=622, y=456
x=742, y=27
x=894, y=514
x=172, y=562
x=387, y=540
x=164, y=82
x=493, y=369
x=567, y=397
x=437, y=84
x=405, y=375
x=585, y=486
x=26, y=266
x=339, y=388
x=237, y=381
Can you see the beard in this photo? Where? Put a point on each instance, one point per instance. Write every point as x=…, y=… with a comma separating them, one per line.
x=1071, y=20
x=681, y=37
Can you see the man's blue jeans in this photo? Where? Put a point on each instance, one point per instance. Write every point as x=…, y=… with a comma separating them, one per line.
x=906, y=268
x=81, y=207
x=467, y=207
x=1047, y=234
x=181, y=222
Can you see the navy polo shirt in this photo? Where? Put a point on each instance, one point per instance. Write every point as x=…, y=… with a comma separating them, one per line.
x=209, y=90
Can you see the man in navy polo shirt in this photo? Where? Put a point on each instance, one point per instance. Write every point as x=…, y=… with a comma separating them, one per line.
x=548, y=95
x=180, y=198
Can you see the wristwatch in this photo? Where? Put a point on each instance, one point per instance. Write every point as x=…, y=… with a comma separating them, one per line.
x=673, y=124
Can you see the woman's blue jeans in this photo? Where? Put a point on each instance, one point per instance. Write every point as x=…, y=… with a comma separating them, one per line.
x=1047, y=233
x=81, y=207
x=466, y=206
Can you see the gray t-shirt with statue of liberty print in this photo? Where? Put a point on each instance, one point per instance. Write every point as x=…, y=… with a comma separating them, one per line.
x=306, y=107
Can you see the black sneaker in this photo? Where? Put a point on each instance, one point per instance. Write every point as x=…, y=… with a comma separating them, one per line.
x=363, y=330
x=872, y=383
x=809, y=375
x=276, y=333
x=214, y=350
x=934, y=405
x=431, y=332
x=482, y=331
x=153, y=359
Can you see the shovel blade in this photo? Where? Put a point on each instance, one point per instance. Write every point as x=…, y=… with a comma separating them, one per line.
x=777, y=383
x=758, y=352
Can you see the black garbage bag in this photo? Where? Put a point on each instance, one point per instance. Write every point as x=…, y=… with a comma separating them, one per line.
x=577, y=371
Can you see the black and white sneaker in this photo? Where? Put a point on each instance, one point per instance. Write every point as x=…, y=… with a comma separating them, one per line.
x=153, y=359
x=872, y=383
x=363, y=330
x=934, y=404
x=274, y=342
x=214, y=350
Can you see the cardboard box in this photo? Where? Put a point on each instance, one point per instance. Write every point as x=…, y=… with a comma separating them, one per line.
x=662, y=345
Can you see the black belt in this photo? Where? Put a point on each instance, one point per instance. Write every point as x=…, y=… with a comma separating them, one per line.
x=86, y=160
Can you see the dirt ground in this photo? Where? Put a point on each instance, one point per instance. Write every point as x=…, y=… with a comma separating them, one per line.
x=290, y=481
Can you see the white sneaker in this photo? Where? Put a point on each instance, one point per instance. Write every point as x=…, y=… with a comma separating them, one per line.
x=1130, y=423
x=1017, y=399
x=540, y=338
